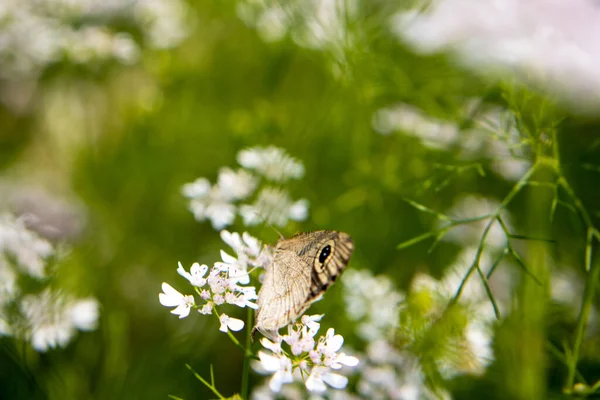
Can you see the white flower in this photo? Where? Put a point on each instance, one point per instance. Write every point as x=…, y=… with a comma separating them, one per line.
x=542, y=42
x=196, y=274
x=274, y=206
x=242, y=244
x=275, y=347
x=229, y=323
x=172, y=298
x=237, y=268
x=311, y=322
x=25, y=246
x=52, y=318
x=321, y=375
x=235, y=185
x=206, y=308
x=211, y=203
x=197, y=189
x=271, y=162
x=280, y=365
x=84, y=314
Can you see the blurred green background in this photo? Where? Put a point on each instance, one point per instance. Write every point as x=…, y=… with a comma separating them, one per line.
x=118, y=140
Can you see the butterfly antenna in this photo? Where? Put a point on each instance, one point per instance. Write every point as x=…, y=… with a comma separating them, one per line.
x=266, y=223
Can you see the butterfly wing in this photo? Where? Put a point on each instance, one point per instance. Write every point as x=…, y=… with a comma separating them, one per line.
x=303, y=267
x=284, y=291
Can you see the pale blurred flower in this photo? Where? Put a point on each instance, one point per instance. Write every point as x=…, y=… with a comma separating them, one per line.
x=28, y=249
x=172, y=298
x=469, y=234
x=52, y=318
x=271, y=162
x=37, y=34
x=8, y=282
x=432, y=132
x=84, y=314
x=275, y=207
x=553, y=43
x=216, y=202
x=228, y=323
x=373, y=301
x=317, y=24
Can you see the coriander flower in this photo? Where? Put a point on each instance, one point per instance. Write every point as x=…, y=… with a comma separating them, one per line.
x=228, y=323
x=321, y=375
x=280, y=366
x=172, y=298
x=216, y=202
x=52, y=318
x=271, y=162
x=274, y=206
x=28, y=249
x=196, y=274
x=315, y=358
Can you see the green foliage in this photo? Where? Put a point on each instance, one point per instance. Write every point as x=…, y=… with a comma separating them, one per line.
x=130, y=137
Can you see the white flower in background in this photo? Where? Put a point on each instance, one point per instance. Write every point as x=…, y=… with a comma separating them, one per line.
x=38, y=33
x=494, y=135
x=316, y=358
x=84, y=314
x=230, y=324
x=470, y=206
x=28, y=249
x=236, y=185
x=172, y=298
x=8, y=282
x=216, y=202
x=52, y=318
x=552, y=43
x=271, y=162
x=316, y=24
x=432, y=132
x=373, y=301
x=274, y=206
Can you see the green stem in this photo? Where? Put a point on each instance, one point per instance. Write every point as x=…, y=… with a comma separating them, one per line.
x=584, y=313
x=246, y=366
x=208, y=385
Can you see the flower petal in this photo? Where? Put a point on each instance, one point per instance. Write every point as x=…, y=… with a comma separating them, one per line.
x=335, y=380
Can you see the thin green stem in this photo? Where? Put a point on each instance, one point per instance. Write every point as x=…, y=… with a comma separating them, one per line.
x=584, y=313
x=233, y=338
x=246, y=366
x=208, y=385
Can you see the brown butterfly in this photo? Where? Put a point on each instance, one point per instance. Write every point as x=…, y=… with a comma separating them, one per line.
x=303, y=267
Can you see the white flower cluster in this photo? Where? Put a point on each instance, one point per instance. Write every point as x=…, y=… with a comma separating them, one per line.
x=28, y=250
x=551, y=43
x=314, y=24
x=391, y=373
x=373, y=302
x=493, y=135
x=309, y=360
x=272, y=205
x=37, y=33
x=53, y=318
x=475, y=343
x=226, y=282
x=48, y=319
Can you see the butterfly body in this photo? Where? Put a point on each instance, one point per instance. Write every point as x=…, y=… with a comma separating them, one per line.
x=303, y=267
